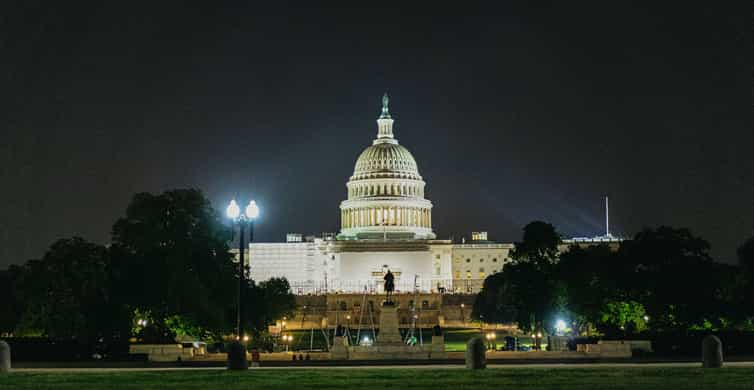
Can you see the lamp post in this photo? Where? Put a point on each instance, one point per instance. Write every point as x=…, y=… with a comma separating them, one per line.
x=287, y=339
x=247, y=218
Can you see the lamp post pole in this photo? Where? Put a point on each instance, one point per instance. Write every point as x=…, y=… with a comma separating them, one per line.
x=237, y=353
x=242, y=270
x=241, y=280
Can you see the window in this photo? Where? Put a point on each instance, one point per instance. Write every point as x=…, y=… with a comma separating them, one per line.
x=458, y=274
x=481, y=260
x=481, y=269
x=494, y=260
x=481, y=275
x=468, y=274
x=468, y=260
x=425, y=305
x=437, y=256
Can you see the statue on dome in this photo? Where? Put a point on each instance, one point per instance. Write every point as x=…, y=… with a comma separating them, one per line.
x=385, y=112
x=389, y=286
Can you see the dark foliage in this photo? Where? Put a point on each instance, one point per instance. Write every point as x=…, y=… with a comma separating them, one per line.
x=171, y=257
x=663, y=279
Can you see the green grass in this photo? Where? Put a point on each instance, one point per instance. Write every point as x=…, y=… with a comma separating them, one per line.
x=398, y=378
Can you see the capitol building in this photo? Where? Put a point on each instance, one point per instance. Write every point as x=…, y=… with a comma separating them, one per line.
x=386, y=223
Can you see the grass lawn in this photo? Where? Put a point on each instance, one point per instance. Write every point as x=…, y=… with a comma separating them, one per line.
x=398, y=378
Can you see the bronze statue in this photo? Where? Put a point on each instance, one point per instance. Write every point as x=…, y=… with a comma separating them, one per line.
x=389, y=286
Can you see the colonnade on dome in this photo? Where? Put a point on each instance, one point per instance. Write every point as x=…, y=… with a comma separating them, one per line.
x=364, y=188
x=386, y=216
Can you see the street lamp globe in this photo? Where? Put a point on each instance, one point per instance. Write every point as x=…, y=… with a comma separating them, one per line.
x=233, y=211
x=252, y=211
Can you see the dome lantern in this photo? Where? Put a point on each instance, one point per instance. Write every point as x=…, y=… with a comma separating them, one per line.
x=384, y=123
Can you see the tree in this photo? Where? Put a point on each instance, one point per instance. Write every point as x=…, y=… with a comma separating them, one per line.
x=539, y=245
x=11, y=307
x=622, y=317
x=496, y=303
x=670, y=272
x=746, y=257
x=268, y=300
x=171, y=258
x=587, y=280
x=66, y=294
x=746, y=263
x=524, y=292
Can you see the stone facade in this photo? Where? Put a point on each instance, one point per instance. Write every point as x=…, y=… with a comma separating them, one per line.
x=360, y=311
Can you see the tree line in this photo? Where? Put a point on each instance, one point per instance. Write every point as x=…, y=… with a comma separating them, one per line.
x=166, y=272
x=661, y=280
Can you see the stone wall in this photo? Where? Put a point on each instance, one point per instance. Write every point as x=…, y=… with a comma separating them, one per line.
x=318, y=311
x=166, y=352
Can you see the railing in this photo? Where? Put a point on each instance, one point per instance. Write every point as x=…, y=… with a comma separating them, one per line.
x=443, y=286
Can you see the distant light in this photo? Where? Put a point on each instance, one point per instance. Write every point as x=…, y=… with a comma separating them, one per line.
x=233, y=211
x=539, y=334
x=245, y=338
x=252, y=211
x=560, y=325
x=646, y=318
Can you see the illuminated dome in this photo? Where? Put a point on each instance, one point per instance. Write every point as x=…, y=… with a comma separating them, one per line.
x=386, y=192
x=386, y=160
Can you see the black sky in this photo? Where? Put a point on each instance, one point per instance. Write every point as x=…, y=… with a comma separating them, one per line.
x=514, y=112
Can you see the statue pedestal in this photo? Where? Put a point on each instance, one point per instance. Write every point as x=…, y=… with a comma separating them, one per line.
x=389, y=344
x=339, y=349
x=389, y=331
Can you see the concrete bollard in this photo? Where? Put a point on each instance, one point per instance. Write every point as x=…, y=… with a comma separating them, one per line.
x=237, y=356
x=475, y=354
x=4, y=357
x=712, y=352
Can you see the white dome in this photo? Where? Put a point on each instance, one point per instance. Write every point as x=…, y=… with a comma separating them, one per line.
x=386, y=160
x=386, y=192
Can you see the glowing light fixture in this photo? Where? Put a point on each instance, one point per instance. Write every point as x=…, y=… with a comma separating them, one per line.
x=233, y=211
x=252, y=211
x=560, y=326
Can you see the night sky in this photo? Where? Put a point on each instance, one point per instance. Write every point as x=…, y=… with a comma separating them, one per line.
x=514, y=112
